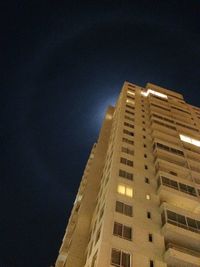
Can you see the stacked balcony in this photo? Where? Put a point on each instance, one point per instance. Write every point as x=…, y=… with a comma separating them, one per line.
x=169, y=154
x=180, y=229
x=178, y=193
x=177, y=256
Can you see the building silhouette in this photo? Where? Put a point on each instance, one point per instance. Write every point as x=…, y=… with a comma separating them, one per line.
x=138, y=204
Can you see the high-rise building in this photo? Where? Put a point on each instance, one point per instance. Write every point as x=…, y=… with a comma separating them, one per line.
x=138, y=204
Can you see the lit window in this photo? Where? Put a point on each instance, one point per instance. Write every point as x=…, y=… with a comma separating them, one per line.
x=121, y=189
x=148, y=197
x=189, y=140
x=130, y=101
x=130, y=92
x=149, y=91
x=125, y=190
x=129, y=191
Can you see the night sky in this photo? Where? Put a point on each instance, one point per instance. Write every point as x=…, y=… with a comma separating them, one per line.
x=61, y=65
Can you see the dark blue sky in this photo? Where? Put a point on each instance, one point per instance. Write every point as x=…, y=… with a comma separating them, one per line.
x=61, y=65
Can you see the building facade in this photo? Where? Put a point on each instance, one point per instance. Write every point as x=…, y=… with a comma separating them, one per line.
x=138, y=204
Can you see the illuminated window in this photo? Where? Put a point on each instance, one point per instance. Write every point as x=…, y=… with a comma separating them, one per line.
x=189, y=140
x=149, y=91
x=129, y=191
x=130, y=101
x=121, y=189
x=148, y=197
x=125, y=190
x=130, y=92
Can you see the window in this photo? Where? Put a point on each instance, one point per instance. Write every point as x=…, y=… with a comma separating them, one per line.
x=161, y=107
x=150, y=238
x=148, y=197
x=128, y=118
x=129, y=101
x=186, y=126
x=180, y=110
x=122, y=231
x=145, y=155
x=164, y=124
x=126, y=174
x=146, y=180
x=178, y=186
x=181, y=221
x=148, y=214
x=129, y=112
x=130, y=92
x=124, y=208
x=126, y=161
x=162, y=118
x=151, y=263
x=128, y=132
x=120, y=258
x=131, y=107
x=125, y=190
x=128, y=125
x=125, y=140
x=127, y=150
x=189, y=140
x=146, y=167
x=168, y=149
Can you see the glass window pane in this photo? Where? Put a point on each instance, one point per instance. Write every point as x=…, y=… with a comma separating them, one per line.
x=171, y=215
x=117, y=229
x=181, y=219
x=129, y=191
x=183, y=187
x=119, y=206
x=191, y=222
x=174, y=184
x=191, y=190
x=115, y=257
x=121, y=189
x=127, y=232
x=125, y=260
x=128, y=210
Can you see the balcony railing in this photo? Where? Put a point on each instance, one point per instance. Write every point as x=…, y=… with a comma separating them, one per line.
x=187, y=189
x=181, y=221
x=183, y=249
x=182, y=164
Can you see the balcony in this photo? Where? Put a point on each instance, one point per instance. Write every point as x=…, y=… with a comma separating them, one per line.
x=176, y=256
x=178, y=194
x=181, y=230
x=164, y=136
x=170, y=154
x=156, y=124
